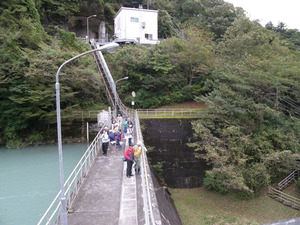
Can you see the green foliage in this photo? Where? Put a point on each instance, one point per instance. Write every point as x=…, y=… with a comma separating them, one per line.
x=279, y=164
x=28, y=64
x=69, y=40
x=212, y=15
x=35, y=138
x=212, y=182
x=248, y=134
x=172, y=71
x=158, y=168
x=56, y=12
x=289, y=37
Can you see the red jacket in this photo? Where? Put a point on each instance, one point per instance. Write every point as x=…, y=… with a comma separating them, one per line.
x=129, y=153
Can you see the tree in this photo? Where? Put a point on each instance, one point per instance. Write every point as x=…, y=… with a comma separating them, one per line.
x=289, y=37
x=27, y=72
x=213, y=15
x=192, y=55
x=165, y=25
x=245, y=126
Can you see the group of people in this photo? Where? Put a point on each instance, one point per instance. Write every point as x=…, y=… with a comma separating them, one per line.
x=112, y=139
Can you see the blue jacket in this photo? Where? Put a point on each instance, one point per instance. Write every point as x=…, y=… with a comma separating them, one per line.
x=111, y=136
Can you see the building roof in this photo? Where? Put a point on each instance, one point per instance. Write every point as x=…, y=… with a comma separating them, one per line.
x=135, y=9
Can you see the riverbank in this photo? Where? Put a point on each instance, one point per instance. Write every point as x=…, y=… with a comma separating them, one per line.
x=72, y=132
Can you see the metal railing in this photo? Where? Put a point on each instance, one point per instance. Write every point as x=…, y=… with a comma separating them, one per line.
x=90, y=113
x=108, y=81
x=73, y=183
x=282, y=197
x=151, y=211
x=286, y=181
x=171, y=113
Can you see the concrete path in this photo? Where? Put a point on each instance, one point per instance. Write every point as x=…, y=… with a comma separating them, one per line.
x=107, y=196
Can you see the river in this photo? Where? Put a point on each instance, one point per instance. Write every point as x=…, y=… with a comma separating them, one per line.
x=29, y=180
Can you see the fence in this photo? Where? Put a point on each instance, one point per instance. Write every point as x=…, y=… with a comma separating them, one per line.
x=83, y=114
x=73, y=183
x=151, y=210
x=171, y=113
x=286, y=181
x=148, y=113
x=282, y=197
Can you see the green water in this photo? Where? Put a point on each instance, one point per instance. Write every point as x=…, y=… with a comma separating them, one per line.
x=29, y=180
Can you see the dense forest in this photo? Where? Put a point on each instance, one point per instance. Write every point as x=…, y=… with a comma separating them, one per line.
x=248, y=76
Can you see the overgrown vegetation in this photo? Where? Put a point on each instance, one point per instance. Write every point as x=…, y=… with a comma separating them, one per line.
x=29, y=60
x=247, y=75
x=251, y=134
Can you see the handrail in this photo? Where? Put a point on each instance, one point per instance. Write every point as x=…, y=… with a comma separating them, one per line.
x=174, y=113
x=108, y=81
x=73, y=182
x=286, y=181
x=281, y=196
x=150, y=203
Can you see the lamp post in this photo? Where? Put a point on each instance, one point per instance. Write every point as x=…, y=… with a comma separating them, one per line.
x=87, y=28
x=63, y=216
x=116, y=107
x=133, y=96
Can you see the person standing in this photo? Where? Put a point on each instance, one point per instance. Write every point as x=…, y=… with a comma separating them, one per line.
x=137, y=157
x=120, y=120
x=129, y=134
x=105, y=141
x=129, y=156
x=118, y=139
x=112, y=141
x=129, y=122
x=125, y=124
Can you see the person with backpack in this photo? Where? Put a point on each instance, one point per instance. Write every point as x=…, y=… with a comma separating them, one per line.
x=137, y=157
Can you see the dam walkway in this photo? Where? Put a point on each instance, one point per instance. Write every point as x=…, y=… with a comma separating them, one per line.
x=107, y=196
x=98, y=191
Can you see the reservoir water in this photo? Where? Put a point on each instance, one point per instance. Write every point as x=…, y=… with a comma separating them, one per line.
x=29, y=180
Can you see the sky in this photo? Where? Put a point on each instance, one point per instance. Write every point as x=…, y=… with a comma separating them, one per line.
x=286, y=11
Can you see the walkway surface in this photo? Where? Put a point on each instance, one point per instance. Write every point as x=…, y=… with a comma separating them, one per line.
x=105, y=198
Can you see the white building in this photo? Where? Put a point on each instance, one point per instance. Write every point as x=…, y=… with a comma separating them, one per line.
x=136, y=25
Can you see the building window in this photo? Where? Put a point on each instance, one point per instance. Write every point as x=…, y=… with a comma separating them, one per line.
x=134, y=19
x=148, y=36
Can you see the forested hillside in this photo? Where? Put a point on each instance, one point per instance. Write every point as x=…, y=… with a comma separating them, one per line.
x=247, y=75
